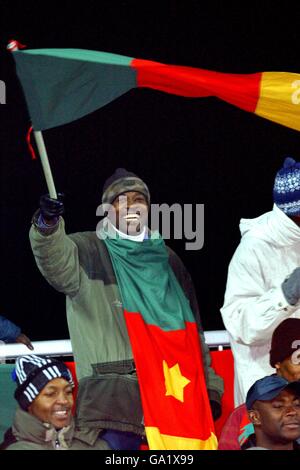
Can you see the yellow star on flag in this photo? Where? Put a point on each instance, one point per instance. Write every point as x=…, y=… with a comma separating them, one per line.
x=175, y=381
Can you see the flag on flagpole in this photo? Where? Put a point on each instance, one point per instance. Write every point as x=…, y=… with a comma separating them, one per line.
x=62, y=85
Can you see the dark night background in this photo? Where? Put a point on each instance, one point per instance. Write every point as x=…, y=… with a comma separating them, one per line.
x=187, y=150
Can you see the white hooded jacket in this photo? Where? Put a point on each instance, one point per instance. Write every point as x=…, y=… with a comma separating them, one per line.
x=254, y=303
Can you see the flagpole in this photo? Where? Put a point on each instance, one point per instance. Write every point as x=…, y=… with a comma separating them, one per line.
x=12, y=46
x=45, y=163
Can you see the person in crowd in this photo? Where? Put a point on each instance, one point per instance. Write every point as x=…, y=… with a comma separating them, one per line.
x=285, y=358
x=273, y=406
x=263, y=283
x=11, y=333
x=81, y=266
x=43, y=419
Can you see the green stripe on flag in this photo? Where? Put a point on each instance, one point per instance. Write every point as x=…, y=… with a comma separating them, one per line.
x=59, y=91
x=81, y=54
x=148, y=284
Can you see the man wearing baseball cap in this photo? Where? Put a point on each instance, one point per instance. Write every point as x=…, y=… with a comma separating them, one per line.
x=273, y=406
x=284, y=357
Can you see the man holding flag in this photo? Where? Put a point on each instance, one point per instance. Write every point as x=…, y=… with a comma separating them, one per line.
x=141, y=359
x=131, y=305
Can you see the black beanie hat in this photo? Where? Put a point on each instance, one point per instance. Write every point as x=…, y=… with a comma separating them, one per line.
x=32, y=373
x=283, y=337
x=121, y=182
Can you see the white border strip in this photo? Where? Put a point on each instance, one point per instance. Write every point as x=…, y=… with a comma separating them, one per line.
x=215, y=338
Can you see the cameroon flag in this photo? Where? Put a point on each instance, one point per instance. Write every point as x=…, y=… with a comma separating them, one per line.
x=165, y=345
x=62, y=85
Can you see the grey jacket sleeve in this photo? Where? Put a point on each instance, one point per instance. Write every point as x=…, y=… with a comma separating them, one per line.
x=56, y=256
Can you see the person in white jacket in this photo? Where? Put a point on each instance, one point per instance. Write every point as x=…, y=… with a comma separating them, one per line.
x=263, y=284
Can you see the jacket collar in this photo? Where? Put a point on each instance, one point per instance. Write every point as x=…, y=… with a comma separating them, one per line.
x=28, y=427
x=274, y=227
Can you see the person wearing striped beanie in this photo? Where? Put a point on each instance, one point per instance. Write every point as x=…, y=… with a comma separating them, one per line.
x=34, y=373
x=44, y=420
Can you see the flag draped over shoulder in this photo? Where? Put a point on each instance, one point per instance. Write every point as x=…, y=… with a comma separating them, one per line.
x=62, y=85
x=166, y=348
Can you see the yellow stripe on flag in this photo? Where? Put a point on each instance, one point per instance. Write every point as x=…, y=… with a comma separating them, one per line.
x=158, y=441
x=279, y=98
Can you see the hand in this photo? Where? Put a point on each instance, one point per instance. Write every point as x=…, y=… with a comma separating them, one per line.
x=23, y=339
x=50, y=208
x=291, y=287
x=216, y=409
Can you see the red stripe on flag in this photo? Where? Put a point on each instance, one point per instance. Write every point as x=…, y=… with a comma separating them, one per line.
x=151, y=346
x=241, y=90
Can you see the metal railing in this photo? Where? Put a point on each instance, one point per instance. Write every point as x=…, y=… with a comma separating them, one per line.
x=214, y=339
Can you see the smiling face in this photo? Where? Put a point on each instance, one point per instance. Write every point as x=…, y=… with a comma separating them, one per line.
x=54, y=403
x=130, y=212
x=277, y=421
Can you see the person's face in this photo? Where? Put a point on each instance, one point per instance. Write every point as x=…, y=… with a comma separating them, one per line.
x=54, y=403
x=130, y=212
x=277, y=421
x=288, y=369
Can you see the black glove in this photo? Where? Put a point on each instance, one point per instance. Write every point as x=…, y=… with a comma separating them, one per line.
x=51, y=208
x=291, y=287
x=216, y=409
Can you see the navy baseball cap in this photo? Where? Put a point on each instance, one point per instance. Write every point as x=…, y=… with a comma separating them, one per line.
x=268, y=388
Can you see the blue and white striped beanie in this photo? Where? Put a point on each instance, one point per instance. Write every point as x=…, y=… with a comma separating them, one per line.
x=32, y=373
x=286, y=191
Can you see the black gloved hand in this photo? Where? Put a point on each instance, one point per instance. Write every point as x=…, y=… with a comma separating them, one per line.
x=291, y=287
x=216, y=409
x=51, y=208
